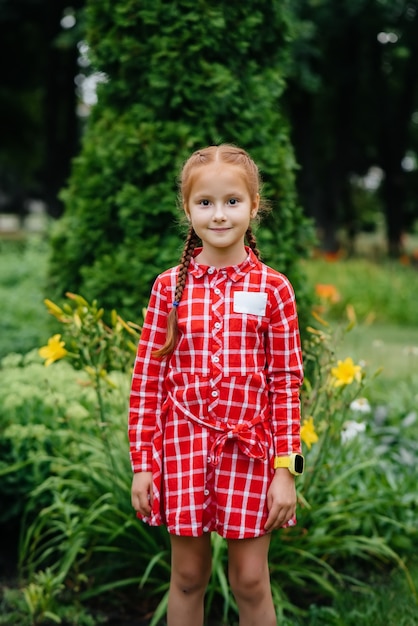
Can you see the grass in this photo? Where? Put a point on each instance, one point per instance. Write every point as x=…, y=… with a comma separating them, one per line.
x=393, y=350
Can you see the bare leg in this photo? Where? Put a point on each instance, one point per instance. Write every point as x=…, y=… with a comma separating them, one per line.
x=191, y=562
x=250, y=581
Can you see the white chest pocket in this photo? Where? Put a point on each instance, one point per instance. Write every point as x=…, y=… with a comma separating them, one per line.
x=252, y=302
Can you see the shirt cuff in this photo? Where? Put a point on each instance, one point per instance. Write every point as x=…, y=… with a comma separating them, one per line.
x=141, y=461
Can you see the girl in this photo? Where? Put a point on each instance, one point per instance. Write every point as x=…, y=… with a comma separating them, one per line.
x=214, y=409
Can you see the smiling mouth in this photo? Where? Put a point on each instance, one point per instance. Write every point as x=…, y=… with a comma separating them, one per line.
x=219, y=230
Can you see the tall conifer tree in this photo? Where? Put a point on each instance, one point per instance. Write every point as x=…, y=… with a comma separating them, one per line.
x=180, y=75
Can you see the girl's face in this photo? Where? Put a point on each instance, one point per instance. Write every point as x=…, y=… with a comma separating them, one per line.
x=220, y=208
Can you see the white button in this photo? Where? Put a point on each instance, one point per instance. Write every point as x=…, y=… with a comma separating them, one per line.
x=217, y=291
x=214, y=394
x=206, y=492
x=217, y=324
x=211, y=270
x=215, y=359
x=208, y=459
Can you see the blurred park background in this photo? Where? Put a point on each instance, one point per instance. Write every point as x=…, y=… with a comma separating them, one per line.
x=100, y=103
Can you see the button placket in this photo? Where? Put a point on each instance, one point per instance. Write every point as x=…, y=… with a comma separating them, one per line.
x=217, y=343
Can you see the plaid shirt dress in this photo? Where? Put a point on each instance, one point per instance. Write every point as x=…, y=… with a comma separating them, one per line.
x=209, y=420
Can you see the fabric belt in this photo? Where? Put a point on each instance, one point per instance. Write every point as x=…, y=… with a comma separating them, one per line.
x=248, y=440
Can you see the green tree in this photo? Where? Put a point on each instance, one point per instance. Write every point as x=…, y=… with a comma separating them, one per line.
x=180, y=75
x=351, y=100
x=39, y=129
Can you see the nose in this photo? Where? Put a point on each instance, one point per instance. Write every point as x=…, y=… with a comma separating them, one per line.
x=218, y=212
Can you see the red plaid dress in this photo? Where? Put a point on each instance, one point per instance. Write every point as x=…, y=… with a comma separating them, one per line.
x=209, y=420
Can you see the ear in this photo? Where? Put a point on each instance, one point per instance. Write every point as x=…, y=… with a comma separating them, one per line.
x=186, y=211
x=255, y=206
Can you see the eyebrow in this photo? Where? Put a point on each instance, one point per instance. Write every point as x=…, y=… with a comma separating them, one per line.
x=229, y=194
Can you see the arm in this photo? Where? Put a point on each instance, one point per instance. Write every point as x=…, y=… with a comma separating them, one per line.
x=285, y=375
x=284, y=371
x=147, y=386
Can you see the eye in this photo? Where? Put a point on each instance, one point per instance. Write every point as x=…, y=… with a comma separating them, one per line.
x=233, y=201
x=204, y=202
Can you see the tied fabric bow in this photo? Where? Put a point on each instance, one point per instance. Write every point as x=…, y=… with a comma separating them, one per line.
x=248, y=441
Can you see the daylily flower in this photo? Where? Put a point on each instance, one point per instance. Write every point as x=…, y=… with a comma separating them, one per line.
x=327, y=292
x=53, y=351
x=346, y=372
x=307, y=432
x=55, y=310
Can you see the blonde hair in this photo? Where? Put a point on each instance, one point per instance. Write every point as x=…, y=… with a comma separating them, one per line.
x=224, y=153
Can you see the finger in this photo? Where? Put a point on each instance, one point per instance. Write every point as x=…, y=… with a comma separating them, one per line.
x=277, y=517
x=145, y=503
x=269, y=525
x=135, y=501
x=140, y=503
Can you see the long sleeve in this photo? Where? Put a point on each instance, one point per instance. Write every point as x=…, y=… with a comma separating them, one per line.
x=284, y=372
x=147, y=387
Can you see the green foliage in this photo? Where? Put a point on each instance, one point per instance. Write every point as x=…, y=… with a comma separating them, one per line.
x=68, y=458
x=180, y=75
x=40, y=408
x=41, y=603
x=22, y=274
x=381, y=293
x=351, y=109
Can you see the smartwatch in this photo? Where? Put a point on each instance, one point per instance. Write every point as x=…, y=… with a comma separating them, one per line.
x=294, y=463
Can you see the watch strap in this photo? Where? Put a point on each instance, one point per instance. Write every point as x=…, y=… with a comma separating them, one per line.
x=294, y=463
x=281, y=461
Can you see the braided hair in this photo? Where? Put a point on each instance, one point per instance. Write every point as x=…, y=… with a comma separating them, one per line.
x=191, y=242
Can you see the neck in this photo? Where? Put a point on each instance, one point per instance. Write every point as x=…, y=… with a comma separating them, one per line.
x=221, y=258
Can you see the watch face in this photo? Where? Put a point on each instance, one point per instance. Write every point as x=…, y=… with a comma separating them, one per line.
x=299, y=463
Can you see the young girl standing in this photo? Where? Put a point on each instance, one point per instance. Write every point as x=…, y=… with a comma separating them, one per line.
x=214, y=409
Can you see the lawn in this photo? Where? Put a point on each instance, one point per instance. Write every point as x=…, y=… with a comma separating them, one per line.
x=389, y=347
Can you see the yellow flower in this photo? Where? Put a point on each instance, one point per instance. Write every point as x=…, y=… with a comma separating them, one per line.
x=346, y=372
x=307, y=432
x=54, y=350
x=55, y=310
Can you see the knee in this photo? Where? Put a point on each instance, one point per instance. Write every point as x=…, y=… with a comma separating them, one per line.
x=190, y=578
x=250, y=583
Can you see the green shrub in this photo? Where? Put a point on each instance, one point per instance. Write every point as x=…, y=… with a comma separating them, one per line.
x=180, y=75
x=23, y=323
x=42, y=410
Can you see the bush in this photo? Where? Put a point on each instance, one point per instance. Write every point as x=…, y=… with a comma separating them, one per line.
x=23, y=323
x=180, y=76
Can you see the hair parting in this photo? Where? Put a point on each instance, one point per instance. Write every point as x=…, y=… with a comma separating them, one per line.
x=191, y=242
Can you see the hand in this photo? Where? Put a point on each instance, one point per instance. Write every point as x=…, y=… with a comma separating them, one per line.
x=281, y=499
x=141, y=494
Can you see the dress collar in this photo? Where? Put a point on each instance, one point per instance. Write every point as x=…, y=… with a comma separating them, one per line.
x=234, y=272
